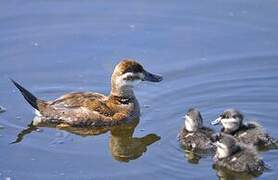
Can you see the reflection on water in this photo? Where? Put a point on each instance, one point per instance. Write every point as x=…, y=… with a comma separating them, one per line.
x=123, y=146
x=192, y=157
x=224, y=174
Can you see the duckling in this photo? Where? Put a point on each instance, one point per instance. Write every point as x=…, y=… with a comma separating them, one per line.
x=81, y=109
x=249, y=133
x=237, y=157
x=194, y=136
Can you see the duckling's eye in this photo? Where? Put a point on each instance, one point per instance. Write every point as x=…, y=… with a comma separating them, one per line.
x=234, y=116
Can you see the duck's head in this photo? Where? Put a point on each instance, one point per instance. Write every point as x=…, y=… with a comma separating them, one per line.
x=226, y=146
x=129, y=73
x=231, y=120
x=193, y=120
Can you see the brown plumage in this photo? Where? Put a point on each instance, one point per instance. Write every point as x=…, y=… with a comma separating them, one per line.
x=94, y=109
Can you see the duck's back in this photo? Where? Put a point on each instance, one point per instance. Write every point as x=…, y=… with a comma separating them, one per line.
x=198, y=140
x=252, y=133
x=80, y=109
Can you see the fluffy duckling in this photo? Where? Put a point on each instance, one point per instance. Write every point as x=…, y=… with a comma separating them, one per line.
x=249, y=133
x=237, y=157
x=194, y=136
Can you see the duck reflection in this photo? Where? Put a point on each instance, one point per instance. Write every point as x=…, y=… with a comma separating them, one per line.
x=224, y=174
x=123, y=146
x=192, y=157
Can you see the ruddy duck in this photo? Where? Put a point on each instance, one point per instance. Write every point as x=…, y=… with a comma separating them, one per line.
x=237, y=157
x=249, y=133
x=194, y=136
x=94, y=109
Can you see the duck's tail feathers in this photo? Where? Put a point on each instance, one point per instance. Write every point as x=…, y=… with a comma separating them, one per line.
x=30, y=98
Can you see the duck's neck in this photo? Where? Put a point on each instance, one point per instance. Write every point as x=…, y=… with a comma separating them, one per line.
x=121, y=90
x=190, y=127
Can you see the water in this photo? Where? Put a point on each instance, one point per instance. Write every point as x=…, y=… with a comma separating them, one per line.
x=212, y=54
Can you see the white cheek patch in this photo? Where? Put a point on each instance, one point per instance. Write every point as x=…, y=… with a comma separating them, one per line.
x=189, y=124
x=132, y=83
x=121, y=81
x=230, y=123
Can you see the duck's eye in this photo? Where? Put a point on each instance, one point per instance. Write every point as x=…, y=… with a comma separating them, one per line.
x=131, y=78
x=234, y=116
x=128, y=78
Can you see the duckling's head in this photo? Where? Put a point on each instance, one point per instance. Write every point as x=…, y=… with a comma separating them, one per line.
x=226, y=146
x=129, y=73
x=231, y=119
x=193, y=120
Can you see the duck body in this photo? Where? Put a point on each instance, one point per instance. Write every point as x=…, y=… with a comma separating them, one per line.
x=83, y=109
x=198, y=140
x=194, y=136
x=237, y=157
x=89, y=109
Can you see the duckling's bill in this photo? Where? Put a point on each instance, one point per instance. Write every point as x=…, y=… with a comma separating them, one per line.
x=216, y=121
